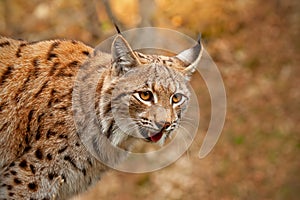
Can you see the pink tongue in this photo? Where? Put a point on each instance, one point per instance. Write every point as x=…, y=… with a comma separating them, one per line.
x=156, y=137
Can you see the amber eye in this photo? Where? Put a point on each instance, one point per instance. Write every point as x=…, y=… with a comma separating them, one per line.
x=146, y=95
x=176, y=98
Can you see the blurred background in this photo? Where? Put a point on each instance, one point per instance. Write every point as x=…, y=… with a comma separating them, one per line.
x=256, y=45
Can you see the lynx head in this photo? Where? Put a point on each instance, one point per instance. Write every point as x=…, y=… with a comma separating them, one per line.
x=150, y=92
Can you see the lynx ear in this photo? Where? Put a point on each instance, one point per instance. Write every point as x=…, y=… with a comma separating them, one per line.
x=191, y=57
x=123, y=56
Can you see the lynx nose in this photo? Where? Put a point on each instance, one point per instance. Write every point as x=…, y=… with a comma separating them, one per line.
x=163, y=125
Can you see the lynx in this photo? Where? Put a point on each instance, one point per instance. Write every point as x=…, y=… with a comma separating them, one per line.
x=42, y=155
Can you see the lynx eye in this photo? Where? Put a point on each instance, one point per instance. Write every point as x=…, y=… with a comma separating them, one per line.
x=146, y=95
x=177, y=98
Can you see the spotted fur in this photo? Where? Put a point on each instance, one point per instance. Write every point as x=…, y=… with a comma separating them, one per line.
x=41, y=153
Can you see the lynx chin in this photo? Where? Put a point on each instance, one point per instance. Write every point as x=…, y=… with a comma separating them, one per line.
x=138, y=97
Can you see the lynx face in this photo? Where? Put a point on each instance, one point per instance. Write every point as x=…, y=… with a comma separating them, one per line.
x=151, y=93
x=155, y=101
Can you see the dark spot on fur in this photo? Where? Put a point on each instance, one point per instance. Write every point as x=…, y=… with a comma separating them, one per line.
x=23, y=164
x=73, y=63
x=86, y=53
x=83, y=171
x=39, y=154
x=32, y=186
x=90, y=181
x=56, y=101
x=53, y=92
x=3, y=44
x=55, y=45
x=38, y=134
x=70, y=160
x=58, y=123
x=13, y=172
x=4, y=126
x=32, y=168
x=17, y=181
x=29, y=120
x=18, y=127
x=62, y=136
x=11, y=194
x=63, y=177
x=50, y=133
x=63, y=108
x=49, y=156
x=35, y=62
x=6, y=74
x=106, y=109
x=51, y=55
x=27, y=148
x=110, y=130
x=51, y=176
x=27, y=139
x=18, y=53
x=12, y=164
x=50, y=52
x=65, y=72
x=77, y=144
x=62, y=149
x=49, y=104
x=9, y=187
x=40, y=117
x=90, y=162
x=1, y=106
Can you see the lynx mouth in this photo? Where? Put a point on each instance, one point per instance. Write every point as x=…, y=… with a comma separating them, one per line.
x=155, y=137
x=151, y=136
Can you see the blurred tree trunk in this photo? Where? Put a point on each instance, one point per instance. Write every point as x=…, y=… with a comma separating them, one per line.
x=7, y=23
x=93, y=25
x=114, y=20
x=147, y=9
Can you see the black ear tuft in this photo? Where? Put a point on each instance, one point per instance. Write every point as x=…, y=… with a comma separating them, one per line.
x=117, y=28
x=199, y=38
